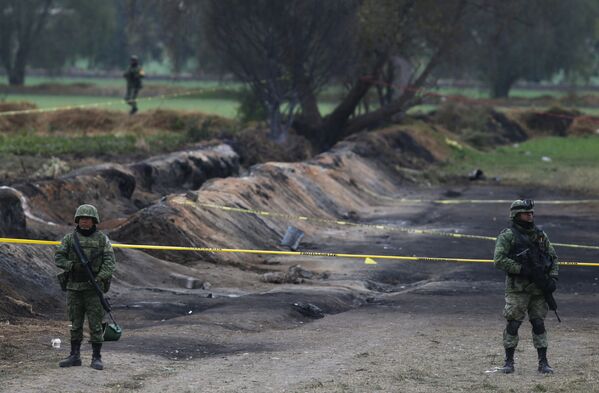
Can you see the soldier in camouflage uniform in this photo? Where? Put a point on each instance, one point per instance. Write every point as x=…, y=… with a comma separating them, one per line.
x=522, y=295
x=133, y=75
x=82, y=300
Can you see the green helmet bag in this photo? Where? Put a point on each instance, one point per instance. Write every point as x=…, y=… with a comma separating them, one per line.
x=112, y=331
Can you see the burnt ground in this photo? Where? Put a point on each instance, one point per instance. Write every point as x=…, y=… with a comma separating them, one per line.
x=390, y=327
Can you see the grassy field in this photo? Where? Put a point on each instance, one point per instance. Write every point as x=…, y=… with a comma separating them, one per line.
x=120, y=82
x=566, y=163
x=220, y=99
x=215, y=106
x=222, y=107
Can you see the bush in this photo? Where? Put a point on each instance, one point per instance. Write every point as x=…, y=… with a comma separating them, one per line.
x=250, y=107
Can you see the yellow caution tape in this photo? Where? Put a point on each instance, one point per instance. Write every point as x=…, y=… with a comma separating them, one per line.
x=182, y=200
x=365, y=257
x=369, y=261
x=477, y=201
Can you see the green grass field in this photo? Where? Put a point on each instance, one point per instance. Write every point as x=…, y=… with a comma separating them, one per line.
x=221, y=107
x=222, y=101
x=567, y=163
x=215, y=106
x=120, y=82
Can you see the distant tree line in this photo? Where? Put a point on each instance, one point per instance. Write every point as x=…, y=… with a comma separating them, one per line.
x=288, y=52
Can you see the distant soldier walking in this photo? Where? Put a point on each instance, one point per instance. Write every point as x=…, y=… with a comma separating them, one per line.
x=525, y=254
x=133, y=75
x=82, y=300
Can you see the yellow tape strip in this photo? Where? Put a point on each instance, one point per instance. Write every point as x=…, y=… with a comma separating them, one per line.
x=476, y=201
x=276, y=252
x=182, y=200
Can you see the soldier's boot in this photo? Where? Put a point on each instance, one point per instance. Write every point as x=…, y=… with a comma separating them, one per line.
x=544, y=367
x=74, y=358
x=97, y=357
x=508, y=366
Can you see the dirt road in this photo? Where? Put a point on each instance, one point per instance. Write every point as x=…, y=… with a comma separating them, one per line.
x=390, y=327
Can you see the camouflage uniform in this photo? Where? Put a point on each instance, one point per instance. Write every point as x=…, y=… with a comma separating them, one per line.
x=133, y=75
x=82, y=299
x=522, y=295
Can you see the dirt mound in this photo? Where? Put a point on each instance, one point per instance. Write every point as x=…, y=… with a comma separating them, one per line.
x=334, y=184
x=584, y=125
x=199, y=126
x=17, y=122
x=411, y=146
x=480, y=126
x=554, y=121
x=254, y=146
x=12, y=216
x=83, y=120
x=120, y=190
x=15, y=106
x=27, y=282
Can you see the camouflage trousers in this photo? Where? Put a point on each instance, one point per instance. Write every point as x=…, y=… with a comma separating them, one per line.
x=131, y=95
x=81, y=304
x=517, y=305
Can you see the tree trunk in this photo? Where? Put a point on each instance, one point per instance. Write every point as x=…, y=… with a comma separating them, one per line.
x=308, y=102
x=500, y=88
x=16, y=77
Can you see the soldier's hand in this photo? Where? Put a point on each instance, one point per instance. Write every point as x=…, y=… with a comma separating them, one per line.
x=551, y=284
x=69, y=266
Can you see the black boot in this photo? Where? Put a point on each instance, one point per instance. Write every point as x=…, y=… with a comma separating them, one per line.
x=96, y=357
x=508, y=367
x=74, y=358
x=544, y=367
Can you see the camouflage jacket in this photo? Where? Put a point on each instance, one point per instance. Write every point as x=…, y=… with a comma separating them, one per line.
x=504, y=259
x=99, y=253
x=133, y=75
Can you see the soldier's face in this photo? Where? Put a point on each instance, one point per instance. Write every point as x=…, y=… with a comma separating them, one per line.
x=527, y=216
x=86, y=222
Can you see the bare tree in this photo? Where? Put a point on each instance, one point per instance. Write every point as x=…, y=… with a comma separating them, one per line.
x=286, y=51
x=21, y=23
x=419, y=33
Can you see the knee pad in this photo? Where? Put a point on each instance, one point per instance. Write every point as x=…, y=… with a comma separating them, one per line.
x=512, y=327
x=538, y=326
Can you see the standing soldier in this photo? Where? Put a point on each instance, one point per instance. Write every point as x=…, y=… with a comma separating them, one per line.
x=133, y=75
x=82, y=299
x=527, y=257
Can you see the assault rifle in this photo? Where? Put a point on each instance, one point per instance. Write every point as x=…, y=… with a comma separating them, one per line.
x=537, y=262
x=90, y=275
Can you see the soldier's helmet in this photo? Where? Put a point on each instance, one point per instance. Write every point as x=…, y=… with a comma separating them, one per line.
x=87, y=211
x=521, y=206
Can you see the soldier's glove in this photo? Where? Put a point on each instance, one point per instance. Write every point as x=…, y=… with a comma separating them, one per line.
x=68, y=266
x=551, y=285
